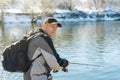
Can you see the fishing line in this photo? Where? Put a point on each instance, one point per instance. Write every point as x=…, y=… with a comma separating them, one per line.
x=86, y=64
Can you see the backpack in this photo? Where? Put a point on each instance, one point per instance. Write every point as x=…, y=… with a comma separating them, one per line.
x=15, y=57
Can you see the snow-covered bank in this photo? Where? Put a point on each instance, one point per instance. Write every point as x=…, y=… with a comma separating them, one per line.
x=69, y=16
x=89, y=16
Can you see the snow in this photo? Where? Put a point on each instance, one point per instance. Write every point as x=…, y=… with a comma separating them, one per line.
x=12, y=18
x=13, y=11
x=64, y=15
x=61, y=11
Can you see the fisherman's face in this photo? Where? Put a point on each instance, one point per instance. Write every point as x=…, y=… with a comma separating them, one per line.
x=51, y=29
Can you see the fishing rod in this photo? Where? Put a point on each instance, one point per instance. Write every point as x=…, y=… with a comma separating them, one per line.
x=66, y=70
x=86, y=64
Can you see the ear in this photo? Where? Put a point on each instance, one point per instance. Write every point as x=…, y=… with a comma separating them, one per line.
x=43, y=26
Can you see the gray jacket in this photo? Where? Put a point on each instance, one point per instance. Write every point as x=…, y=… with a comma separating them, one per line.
x=50, y=60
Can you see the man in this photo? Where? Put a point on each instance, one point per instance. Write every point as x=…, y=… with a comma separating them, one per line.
x=42, y=45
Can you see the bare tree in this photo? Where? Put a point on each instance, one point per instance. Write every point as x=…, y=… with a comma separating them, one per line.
x=96, y=4
x=103, y=3
x=37, y=8
x=46, y=7
x=4, y=4
x=70, y=4
x=30, y=7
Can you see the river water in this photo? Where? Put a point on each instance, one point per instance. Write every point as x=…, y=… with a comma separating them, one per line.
x=95, y=43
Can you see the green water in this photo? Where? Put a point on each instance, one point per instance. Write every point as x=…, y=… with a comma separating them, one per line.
x=95, y=43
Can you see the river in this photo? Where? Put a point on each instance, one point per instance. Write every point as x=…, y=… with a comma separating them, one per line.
x=95, y=43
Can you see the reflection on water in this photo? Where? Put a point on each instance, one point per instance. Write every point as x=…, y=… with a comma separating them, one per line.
x=81, y=42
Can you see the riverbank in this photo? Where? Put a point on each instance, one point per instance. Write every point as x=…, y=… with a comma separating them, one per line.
x=89, y=16
x=75, y=15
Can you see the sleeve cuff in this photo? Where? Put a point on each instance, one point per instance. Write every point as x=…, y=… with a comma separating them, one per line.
x=65, y=63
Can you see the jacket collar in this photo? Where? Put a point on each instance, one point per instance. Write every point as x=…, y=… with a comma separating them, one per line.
x=44, y=32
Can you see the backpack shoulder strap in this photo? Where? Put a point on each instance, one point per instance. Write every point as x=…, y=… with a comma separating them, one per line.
x=37, y=57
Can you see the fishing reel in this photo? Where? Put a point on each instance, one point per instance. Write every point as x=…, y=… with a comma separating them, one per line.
x=65, y=69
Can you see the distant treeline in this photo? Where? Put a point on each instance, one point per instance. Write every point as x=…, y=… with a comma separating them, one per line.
x=38, y=8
